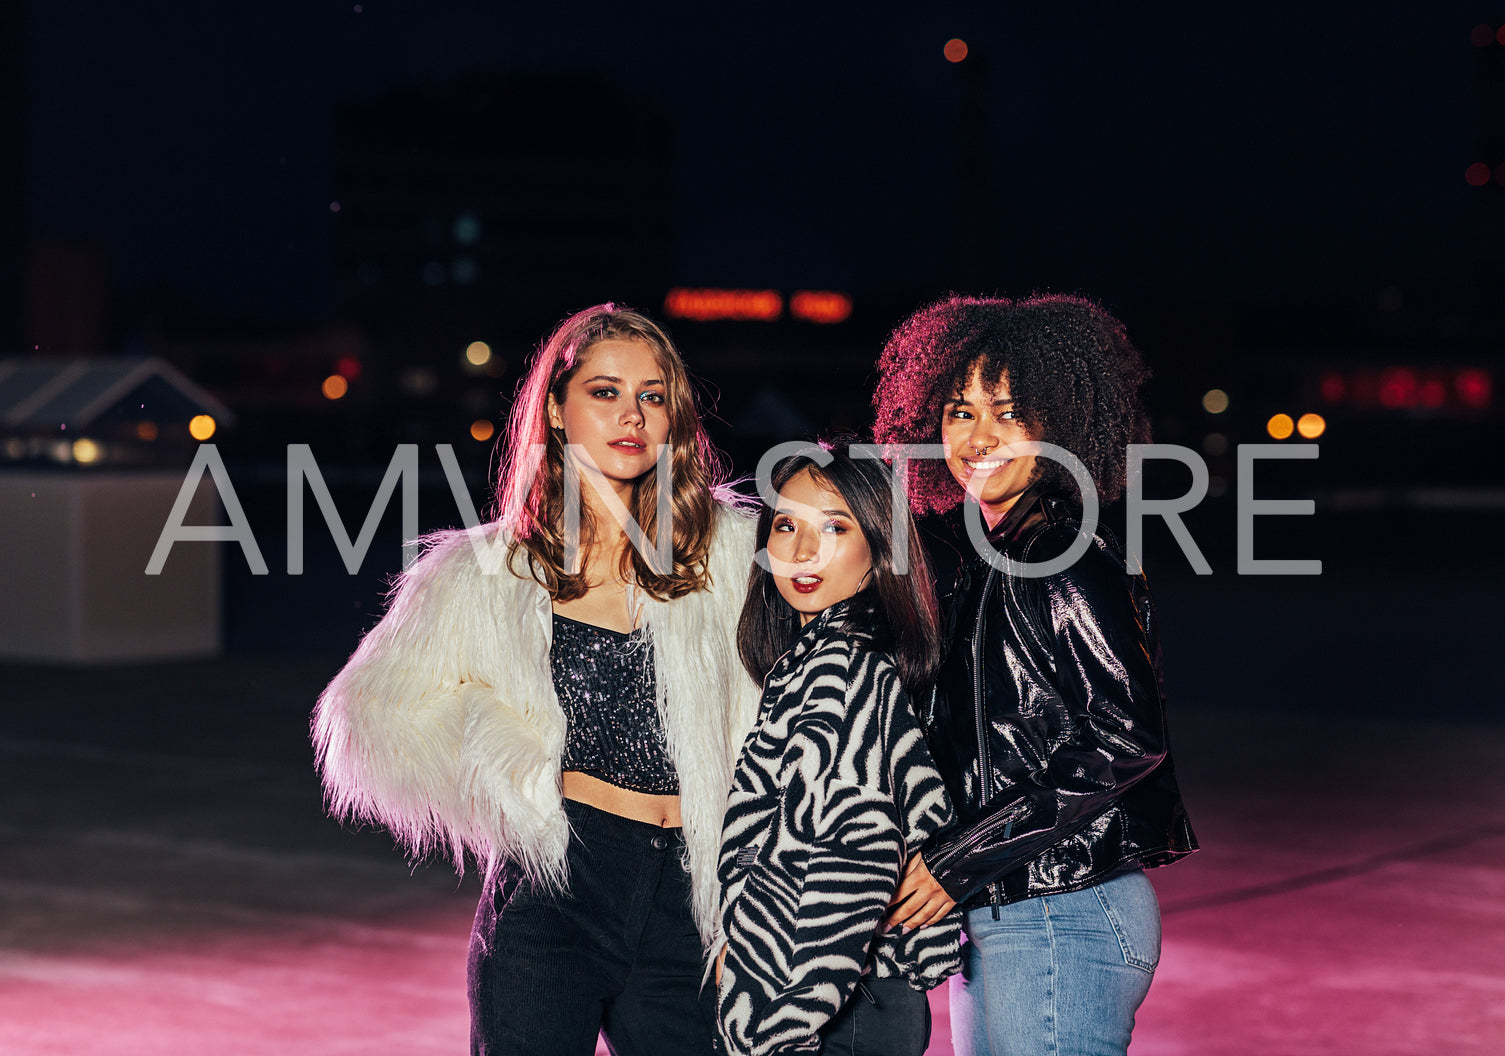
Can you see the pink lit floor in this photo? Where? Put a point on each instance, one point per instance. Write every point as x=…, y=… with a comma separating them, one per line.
x=1349, y=900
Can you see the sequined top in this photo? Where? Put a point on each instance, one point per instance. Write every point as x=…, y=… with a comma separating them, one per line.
x=605, y=682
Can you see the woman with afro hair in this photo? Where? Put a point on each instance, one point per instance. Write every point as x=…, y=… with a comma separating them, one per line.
x=1048, y=719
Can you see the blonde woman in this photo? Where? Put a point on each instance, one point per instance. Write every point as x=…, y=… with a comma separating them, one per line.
x=566, y=706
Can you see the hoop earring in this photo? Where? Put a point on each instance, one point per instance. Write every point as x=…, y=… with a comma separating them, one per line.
x=777, y=610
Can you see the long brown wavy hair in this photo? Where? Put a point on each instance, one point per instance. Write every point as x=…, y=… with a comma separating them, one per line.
x=530, y=477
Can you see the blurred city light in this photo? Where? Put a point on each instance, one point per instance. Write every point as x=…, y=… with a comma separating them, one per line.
x=348, y=367
x=1215, y=401
x=955, y=50
x=706, y=305
x=1311, y=426
x=419, y=381
x=1434, y=393
x=334, y=207
x=467, y=229
x=146, y=431
x=820, y=306
x=1215, y=444
x=1333, y=387
x=1477, y=174
x=478, y=353
x=1483, y=35
x=1500, y=173
x=1280, y=426
x=201, y=426
x=334, y=387
x=1398, y=387
x=482, y=429
x=464, y=270
x=1475, y=388
x=85, y=450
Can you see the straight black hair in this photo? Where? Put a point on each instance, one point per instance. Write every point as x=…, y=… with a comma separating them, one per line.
x=896, y=613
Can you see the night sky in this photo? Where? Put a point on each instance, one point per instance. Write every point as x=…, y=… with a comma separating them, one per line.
x=1231, y=152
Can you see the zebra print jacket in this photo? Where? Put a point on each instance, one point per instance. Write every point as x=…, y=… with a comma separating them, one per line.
x=833, y=790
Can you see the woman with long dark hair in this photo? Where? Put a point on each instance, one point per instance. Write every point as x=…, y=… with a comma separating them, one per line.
x=834, y=787
x=562, y=702
x=1048, y=723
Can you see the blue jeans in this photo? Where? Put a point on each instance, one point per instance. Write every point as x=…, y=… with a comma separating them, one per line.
x=1060, y=974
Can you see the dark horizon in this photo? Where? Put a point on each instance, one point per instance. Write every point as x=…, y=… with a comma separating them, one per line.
x=1195, y=156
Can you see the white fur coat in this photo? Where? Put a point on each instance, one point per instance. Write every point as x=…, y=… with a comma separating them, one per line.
x=444, y=726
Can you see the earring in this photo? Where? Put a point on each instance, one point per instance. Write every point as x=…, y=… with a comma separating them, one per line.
x=776, y=609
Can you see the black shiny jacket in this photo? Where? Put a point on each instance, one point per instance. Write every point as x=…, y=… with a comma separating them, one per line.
x=1048, y=720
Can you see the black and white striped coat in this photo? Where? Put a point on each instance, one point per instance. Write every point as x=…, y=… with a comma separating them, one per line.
x=833, y=790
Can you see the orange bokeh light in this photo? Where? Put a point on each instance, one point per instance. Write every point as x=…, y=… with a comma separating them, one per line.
x=955, y=50
x=482, y=429
x=201, y=427
x=1280, y=426
x=334, y=387
x=1311, y=426
x=820, y=306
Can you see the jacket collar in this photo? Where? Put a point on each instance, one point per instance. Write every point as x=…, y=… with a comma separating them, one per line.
x=1028, y=513
x=825, y=624
x=1034, y=510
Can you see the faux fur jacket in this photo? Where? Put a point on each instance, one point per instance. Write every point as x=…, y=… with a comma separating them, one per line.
x=445, y=728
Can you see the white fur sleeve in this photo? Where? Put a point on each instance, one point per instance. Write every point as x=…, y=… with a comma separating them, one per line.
x=731, y=563
x=395, y=730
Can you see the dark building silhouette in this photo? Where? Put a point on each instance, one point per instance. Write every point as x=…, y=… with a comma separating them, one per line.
x=13, y=95
x=488, y=208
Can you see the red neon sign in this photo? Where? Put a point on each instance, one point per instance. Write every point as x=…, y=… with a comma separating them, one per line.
x=820, y=306
x=707, y=305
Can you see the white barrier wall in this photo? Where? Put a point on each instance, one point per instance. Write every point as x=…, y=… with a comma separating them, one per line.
x=73, y=553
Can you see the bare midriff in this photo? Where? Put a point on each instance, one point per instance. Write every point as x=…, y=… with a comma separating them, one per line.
x=662, y=811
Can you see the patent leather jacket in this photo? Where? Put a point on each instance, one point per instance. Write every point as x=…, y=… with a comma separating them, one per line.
x=1048, y=720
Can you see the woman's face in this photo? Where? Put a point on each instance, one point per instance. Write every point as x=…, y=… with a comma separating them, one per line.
x=616, y=407
x=978, y=426
x=818, y=554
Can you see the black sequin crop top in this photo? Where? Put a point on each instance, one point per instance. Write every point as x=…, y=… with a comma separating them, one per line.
x=605, y=682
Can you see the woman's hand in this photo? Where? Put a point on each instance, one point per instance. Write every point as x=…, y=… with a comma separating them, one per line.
x=919, y=899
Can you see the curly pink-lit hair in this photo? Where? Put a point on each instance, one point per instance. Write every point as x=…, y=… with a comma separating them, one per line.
x=1073, y=374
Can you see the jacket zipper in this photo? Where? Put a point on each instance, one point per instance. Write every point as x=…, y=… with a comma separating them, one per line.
x=983, y=785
